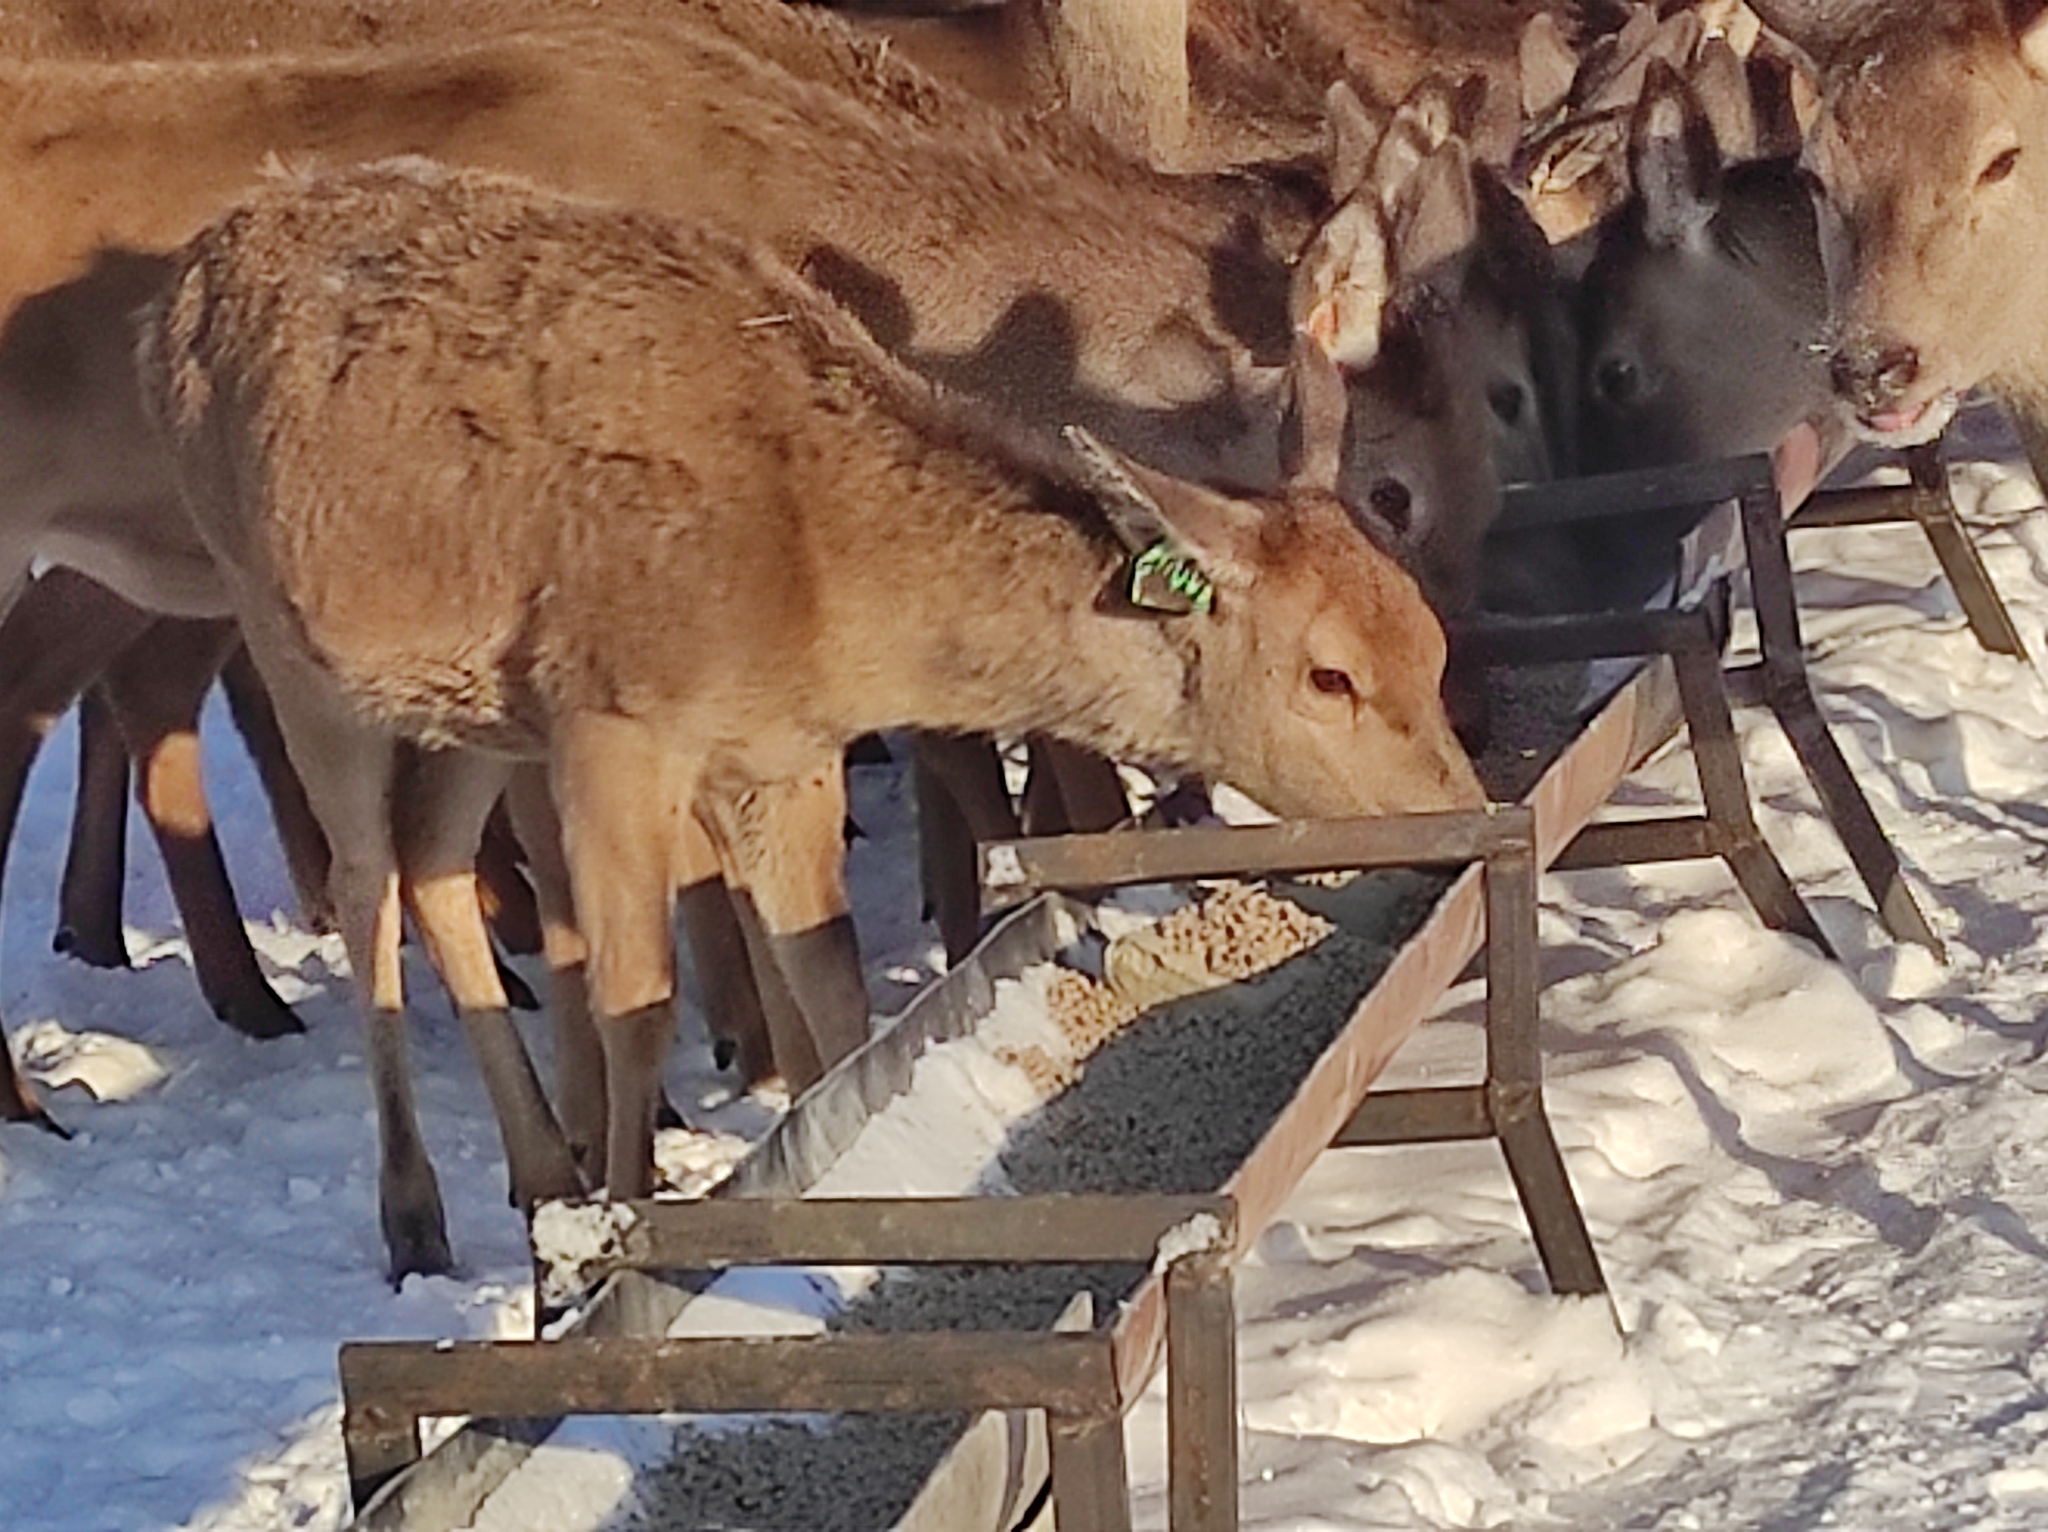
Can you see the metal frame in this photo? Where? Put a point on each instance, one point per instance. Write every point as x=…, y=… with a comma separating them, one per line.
x=1085, y=1379
x=1692, y=639
x=1927, y=502
x=1509, y=1105
x=1785, y=686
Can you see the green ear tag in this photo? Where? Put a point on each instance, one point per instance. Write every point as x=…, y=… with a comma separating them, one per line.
x=1164, y=579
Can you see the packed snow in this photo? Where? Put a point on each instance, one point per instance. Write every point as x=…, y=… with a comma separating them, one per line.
x=1819, y=1190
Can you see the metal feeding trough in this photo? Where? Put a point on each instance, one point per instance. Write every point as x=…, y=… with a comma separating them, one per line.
x=1062, y=1302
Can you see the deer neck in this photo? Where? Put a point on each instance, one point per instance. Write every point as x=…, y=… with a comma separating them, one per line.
x=1003, y=629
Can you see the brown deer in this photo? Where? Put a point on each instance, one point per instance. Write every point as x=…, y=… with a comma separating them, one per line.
x=1207, y=83
x=1104, y=294
x=1930, y=159
x=717, y=565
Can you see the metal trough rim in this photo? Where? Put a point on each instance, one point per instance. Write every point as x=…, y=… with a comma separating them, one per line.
x=446, y=1487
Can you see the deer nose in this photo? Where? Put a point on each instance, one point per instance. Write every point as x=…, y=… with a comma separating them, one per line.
x=1873, y=377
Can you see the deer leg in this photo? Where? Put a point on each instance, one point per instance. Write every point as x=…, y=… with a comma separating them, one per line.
x=96, y=865
x=617, y=791
x=298, y=832
x=508, y=897
x=734, y=1007
x=438, y=814
x=1090, y=793
x=18, y=1101
x=787, y=851
x=962, y=800
x=56, y=636
x=156, y=688
x=579, y=1056
x=349, y=771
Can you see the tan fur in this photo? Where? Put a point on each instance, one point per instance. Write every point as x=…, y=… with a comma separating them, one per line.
x=487, y=469
x=1934, y=270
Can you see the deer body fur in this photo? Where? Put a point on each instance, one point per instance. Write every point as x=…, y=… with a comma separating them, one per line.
x=726, y=535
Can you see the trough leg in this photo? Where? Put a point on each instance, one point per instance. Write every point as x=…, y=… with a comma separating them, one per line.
x=1514, y=1078
x=617, y=790
x=96, y=863
x=1789, y=694
x=157, y=686
x=1090, y=1482
x=1934, y=508
x=1724, y=787
x=1201, y=1394
x=442, y=799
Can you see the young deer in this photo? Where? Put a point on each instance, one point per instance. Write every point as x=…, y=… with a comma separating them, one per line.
x=713, y=565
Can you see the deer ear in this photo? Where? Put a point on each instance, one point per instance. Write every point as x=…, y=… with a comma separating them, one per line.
x=1353, y=137
x=1186, y=541
x=1421, y=124
x=1440, y=217
x=1342, y=283
x=1723, y=88
x=1774, y=79
x=2029, y=22
x=1318, y=409
x=1671, y=152
x=1547, y=67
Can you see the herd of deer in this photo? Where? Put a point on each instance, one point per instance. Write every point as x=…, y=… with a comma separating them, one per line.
x=611, y=412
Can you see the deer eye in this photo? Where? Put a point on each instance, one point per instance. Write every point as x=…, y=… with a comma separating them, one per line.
x=1617, y=381
x=1391, y=502
x=1506, y=400
x=2001, y=165
x=1332, y=683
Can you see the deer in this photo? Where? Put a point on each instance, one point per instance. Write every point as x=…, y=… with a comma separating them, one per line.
x=701, y=575
x=1200, y=84
x=1701, y=311
x=1927, y=167
x=1049, y=308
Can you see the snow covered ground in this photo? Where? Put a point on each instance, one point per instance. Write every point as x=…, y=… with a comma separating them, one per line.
x=1820, y=1191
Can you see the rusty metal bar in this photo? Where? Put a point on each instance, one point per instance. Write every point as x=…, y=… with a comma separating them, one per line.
x=390, y=1386
x=1789, y=694
x=1927, y=502
x=1934, y=507
x=1013, y=871
x=900, y=1231
x=1637, y=842
x=1717, y=758
x=1201, y=1393
x=1427, y=1115
x=1641, y=490
x=1514, y=1078
x=1867, y=505
x=1090, y=1483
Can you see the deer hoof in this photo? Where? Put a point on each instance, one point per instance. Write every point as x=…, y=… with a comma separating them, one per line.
x=260, y=1016
x=418, y=1248
x=96, y=949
